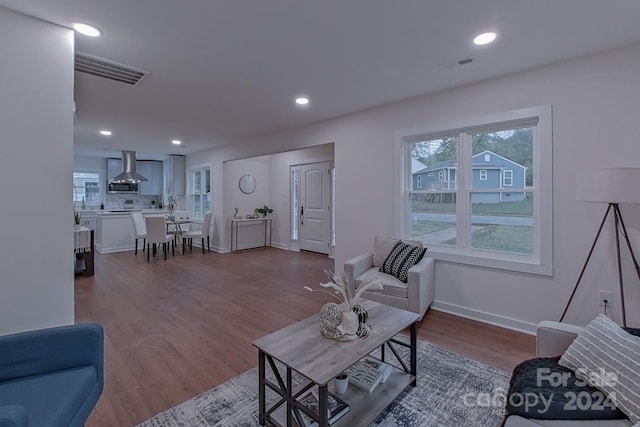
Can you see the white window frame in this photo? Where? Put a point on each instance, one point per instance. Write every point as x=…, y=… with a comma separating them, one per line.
x=483, y=174
x=419, y=181
x=101, y=189
x=202, y=168
x=507, y=175
x=440, y=175
x=541, y=260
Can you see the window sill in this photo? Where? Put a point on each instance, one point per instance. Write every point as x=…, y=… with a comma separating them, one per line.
x=520, y=264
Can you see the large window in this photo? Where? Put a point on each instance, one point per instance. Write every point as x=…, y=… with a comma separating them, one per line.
x=491, y=202
x=86, y=189
x=200, y=198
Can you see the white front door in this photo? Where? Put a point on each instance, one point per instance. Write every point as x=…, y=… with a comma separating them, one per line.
x=315, y=207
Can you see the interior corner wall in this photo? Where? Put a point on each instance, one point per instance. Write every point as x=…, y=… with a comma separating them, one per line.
x=36, y=118
x=594, y=102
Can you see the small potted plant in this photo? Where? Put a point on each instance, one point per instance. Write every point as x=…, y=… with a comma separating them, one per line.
x=76, y=220
x=265, y=210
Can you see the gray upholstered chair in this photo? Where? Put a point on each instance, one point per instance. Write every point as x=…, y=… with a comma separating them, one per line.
x=552, y=339
x=416, y=295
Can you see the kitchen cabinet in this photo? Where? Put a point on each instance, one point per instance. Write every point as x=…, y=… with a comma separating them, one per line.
x=175, y=175
x=114, y=167
x=152, y=170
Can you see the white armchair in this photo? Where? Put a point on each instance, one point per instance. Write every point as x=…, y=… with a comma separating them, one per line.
x=416, y=295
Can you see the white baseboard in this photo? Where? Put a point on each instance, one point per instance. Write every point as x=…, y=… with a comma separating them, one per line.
x=280, y=246
x=102, y=250
x=484, y=317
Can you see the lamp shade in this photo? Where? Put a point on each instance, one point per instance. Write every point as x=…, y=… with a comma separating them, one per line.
x=612, y=185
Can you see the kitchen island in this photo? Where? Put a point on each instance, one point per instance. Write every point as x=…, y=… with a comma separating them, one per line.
x=114, y=229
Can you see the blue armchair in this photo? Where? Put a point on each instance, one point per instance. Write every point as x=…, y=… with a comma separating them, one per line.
x=51, y=377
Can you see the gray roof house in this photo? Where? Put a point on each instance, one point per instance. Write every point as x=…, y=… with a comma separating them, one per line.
x=490, y=171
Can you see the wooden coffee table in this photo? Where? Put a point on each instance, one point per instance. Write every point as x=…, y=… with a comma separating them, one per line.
x=302, y=348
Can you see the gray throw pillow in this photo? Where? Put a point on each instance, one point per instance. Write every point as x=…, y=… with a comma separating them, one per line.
x=607, y=357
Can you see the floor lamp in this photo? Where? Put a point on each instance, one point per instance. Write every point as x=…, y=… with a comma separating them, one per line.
x=612, y=186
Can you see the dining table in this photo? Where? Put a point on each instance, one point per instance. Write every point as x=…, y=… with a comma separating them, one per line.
x=174, y=226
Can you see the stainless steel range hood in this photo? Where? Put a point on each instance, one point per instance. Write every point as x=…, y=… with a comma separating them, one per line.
x=129, y=173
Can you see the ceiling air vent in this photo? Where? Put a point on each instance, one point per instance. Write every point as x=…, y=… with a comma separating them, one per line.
x=458, y=62
x=108, y=69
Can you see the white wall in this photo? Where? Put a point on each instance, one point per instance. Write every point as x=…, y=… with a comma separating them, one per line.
x=594, y=124
x=36, y=118
x=251, y=234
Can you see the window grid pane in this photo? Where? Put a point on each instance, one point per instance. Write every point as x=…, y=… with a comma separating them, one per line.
x=201, y=202
x=434, y=164
x=433, y=218
x=503, y=227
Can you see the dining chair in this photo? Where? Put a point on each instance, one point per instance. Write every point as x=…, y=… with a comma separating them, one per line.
x=140, y=229
x=156, y=234
x=200, y=234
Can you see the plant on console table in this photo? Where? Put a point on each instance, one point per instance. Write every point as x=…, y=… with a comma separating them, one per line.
x=264, y=211
x=76, y=219
x=353, y=322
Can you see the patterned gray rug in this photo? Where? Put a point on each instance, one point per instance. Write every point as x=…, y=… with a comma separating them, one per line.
x=452, y=391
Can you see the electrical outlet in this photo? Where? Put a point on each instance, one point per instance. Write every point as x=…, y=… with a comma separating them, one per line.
x=606, y=295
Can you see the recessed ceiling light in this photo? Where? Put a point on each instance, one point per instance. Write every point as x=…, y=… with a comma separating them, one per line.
x=85, y=29
x=176, y=142
x=302, y=100
x=484, y=38
x=105, y=132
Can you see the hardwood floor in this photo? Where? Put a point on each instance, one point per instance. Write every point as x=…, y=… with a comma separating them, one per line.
x=176, y=328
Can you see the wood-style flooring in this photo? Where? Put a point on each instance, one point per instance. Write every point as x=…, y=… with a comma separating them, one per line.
x=176, y=328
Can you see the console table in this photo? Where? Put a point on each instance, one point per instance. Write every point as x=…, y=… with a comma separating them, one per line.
x=302, y=348
x=236, y=225
x=83, y=251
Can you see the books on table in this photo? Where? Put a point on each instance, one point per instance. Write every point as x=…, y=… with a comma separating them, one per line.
x=335, y=406
x=368, y=372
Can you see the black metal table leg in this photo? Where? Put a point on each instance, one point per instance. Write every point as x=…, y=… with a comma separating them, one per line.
x=414, y=351
x=323, y=419
x=261, y=389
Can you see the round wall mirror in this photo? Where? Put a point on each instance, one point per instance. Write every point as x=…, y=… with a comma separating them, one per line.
x=247, y=184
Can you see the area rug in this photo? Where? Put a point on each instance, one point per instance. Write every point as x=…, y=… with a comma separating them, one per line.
x=452, y=390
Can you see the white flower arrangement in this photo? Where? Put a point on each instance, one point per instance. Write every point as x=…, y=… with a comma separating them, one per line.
x=341, y=291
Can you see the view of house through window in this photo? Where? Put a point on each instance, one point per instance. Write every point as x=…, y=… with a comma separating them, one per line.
x=477, y=189
x=200, y=191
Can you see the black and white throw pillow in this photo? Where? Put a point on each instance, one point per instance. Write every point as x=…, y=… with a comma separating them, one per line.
x=401, y=258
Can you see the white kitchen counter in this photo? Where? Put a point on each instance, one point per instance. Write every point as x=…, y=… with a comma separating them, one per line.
x=114, y=230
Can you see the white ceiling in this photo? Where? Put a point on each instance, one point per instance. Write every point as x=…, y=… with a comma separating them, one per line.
x=225, y=70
